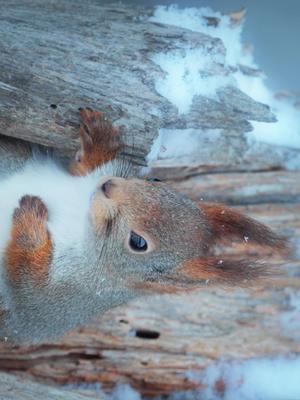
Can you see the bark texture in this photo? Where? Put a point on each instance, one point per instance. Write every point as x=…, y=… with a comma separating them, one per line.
x=57, y=56
x=13, y=388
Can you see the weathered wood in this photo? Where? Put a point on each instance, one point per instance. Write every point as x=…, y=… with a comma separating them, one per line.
x=85, y=54
x=195, y=330
x=243, y=188
x=18, y=388
x=59, y=56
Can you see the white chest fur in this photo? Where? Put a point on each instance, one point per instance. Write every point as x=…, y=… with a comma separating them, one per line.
x=66, y=197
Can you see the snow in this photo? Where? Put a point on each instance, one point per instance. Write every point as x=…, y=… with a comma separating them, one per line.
x=174, y=143
x=195, y=20
x=286, y=132
x=124, y=392
x=256, y=379
x=184, y=78
x=184, y=67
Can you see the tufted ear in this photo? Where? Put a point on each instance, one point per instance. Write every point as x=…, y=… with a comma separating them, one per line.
x=222, y=270
x=224, y=224
x=201, y=272
x=207, y=271
x=227, y=224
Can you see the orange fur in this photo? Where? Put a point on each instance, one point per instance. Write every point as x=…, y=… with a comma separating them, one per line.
x=225, y=270
x=29, y=251
x=200, y=272
x=227, y=224
x=100, y=142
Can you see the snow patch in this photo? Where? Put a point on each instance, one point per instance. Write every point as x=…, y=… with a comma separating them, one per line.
x=174, y=143
x=185, y=77
x=124, y=392
x=256, y=379
x=195, y=19
x=285, y=132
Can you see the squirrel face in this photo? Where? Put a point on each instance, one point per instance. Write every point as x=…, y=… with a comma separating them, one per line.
x=147, y=228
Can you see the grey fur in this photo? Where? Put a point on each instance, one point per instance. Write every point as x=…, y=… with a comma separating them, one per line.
x=101, y=273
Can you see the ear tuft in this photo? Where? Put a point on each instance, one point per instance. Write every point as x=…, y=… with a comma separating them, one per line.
x=202, y=272
x=226, y=224
x=223, y=270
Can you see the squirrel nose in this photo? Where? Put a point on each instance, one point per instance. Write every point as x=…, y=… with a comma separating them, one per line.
x=106, y=186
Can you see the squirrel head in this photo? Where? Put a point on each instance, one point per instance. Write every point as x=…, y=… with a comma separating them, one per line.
x=143, y=229
x=145, y=232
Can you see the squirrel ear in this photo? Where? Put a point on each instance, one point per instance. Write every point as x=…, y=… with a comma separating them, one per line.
x=223, y=270
x=201, y=272
x=226, y=223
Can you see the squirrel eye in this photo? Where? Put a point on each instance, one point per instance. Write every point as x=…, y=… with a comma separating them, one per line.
x=137, y=242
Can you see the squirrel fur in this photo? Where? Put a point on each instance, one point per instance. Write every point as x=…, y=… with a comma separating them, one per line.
x=75, y=243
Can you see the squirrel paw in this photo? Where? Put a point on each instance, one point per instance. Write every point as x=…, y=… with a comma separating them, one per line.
x=32, y=205
x=29, y=221
x=29, y=252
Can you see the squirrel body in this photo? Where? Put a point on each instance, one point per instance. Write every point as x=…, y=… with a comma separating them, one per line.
x=77, y=243
x=67, y=198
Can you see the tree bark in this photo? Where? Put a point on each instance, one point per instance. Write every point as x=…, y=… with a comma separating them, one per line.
x=57, y=56
x=15, y=388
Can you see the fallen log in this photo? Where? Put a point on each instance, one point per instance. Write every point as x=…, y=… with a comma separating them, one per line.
x=105, y=56
x=14, y=388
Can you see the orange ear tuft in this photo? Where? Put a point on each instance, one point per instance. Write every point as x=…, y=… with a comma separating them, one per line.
x=201, y=272
x=224, y=270
x=227, y=223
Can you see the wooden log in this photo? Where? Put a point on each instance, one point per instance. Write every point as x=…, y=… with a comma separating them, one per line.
x=194, y=331
x=18, y=388
x=242, y=188
x=61, y=55
x=73, y=59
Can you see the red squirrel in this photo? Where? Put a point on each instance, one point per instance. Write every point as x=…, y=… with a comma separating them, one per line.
x=77, y=243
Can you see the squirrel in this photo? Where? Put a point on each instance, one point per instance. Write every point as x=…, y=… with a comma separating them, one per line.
x=77, y=242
